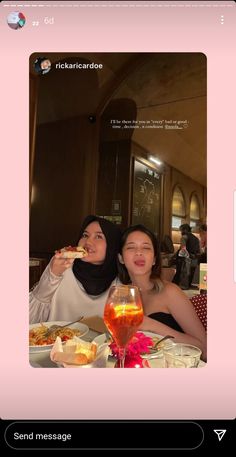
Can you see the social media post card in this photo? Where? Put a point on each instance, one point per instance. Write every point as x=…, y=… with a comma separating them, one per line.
x=117, y=117
x=119, y=160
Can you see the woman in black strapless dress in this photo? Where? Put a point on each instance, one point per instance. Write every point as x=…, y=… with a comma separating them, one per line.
x=167, y=309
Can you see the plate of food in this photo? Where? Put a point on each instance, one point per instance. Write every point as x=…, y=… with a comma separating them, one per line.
x=142, y=342
x=39, y=343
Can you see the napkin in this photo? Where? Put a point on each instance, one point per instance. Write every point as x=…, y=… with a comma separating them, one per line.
x=77, y=353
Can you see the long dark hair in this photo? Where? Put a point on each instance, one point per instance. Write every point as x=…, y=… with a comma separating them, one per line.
x=156, y=268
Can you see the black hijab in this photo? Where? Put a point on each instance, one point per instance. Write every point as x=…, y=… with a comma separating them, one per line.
x=97, y=278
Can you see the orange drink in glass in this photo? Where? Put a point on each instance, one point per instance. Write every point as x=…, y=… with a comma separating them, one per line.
x=123, y=314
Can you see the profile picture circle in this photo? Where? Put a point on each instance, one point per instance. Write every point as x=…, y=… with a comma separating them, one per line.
x=16, y=20
x=42, y=65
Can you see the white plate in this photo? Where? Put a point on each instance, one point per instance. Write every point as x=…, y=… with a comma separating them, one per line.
x=156, y=354
x=156, y=360
x=101, y=339
x=83, y=328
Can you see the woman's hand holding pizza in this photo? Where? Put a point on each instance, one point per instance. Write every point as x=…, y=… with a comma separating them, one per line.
x=65, y=257
x=59, y=264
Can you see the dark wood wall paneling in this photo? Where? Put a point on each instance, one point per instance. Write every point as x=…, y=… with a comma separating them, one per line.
x=65, y=171
x=113, y=178
x=33, y=86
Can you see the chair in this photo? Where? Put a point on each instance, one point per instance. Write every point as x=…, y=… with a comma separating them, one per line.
x=167, y=251
x=36, y=268
x=167, y=245
x=200, y=304
x=167, y=273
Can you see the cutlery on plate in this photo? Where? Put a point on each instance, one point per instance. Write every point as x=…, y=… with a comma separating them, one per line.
x=53, y=328
x=155, y=348
x=154, y=353
x=167, y=337
x=109, y=338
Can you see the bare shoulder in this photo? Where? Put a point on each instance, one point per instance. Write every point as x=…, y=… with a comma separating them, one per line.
x=173, y=292
x=171, y=288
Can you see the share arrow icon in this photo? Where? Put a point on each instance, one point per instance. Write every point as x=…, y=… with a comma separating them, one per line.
x=220, y=434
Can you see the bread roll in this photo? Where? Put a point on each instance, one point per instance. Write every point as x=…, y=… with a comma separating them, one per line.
x=71, y=359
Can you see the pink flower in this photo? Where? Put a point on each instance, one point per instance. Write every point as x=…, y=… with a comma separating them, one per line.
x=139, y=344
x=133, y=361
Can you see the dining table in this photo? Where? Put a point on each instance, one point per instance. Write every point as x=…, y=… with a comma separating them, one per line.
x=43, y=360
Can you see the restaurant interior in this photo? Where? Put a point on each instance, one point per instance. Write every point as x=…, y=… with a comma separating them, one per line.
x=125, y=141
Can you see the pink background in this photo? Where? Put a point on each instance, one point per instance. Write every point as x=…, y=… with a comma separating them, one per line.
x=28, y=393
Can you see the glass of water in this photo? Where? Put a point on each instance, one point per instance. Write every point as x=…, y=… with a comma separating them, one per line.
x=179, y=354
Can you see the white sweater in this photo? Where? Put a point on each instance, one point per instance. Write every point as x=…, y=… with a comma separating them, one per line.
x=63, y=298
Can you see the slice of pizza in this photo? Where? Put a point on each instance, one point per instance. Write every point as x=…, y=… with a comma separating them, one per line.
x=72, y=252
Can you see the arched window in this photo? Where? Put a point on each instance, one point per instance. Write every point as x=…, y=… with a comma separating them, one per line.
x=194, y=211
x=178, y=208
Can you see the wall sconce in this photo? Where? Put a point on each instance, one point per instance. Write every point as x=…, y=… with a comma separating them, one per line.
x=155, y=160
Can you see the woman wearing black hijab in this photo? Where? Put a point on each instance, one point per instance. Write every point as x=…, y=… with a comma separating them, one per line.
x=70, y=288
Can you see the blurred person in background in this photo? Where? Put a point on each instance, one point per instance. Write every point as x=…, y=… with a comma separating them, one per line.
x=203, y=243
x=192, y=246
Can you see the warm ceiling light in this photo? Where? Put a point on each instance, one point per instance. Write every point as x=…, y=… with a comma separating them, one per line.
x=155, y=160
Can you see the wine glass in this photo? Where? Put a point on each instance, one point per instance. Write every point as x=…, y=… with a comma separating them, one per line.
x=123, y=314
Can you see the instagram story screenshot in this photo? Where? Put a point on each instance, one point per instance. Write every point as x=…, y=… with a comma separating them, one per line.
x=118, y=197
